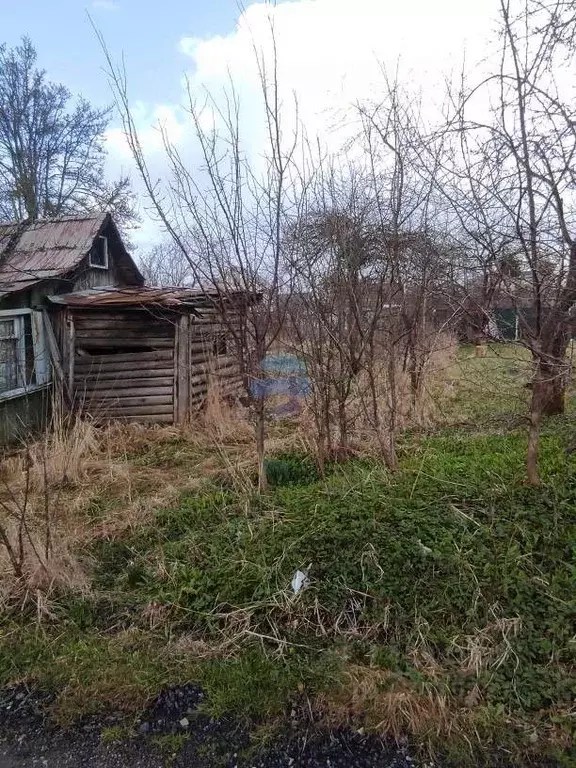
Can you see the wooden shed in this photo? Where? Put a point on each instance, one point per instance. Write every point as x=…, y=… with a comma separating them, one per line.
x=77, y=322
x=144, y=354
x=37, y=260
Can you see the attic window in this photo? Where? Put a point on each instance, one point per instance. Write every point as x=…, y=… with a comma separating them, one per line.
x=99, y=253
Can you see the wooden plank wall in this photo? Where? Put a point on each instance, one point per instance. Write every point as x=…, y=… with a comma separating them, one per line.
x=124, y=365
x=207, y=337
x=145, y=366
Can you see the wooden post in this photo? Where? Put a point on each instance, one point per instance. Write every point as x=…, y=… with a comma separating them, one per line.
x=41, y=368
x=55, y=358
x=71, y=352
x=182, y=370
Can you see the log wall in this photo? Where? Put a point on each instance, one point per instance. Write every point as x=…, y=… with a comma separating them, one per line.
x=213, y=361
x=148, y=366
x=124, y=364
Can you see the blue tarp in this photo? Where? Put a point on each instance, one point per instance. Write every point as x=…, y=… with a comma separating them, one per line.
x=293, y=386
x=286, y=375
x=284, y=364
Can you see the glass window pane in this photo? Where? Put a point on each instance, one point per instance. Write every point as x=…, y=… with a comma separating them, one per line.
x=8, y=364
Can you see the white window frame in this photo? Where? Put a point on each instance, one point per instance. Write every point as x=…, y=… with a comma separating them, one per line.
x=41, y=368
x=104, y=240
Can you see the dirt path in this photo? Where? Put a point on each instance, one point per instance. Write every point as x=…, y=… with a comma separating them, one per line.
x=173, y=733
x=80, y=752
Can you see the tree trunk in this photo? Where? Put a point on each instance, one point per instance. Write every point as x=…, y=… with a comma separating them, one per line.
x=415, y=369
x=552, y=370
x=386, y=448
x=548, y=386
x=393, y=409
x=260, y=428
x=549, y=389
x=344, y=449
x=533, y=444
x=321, y=453
x=322, y=428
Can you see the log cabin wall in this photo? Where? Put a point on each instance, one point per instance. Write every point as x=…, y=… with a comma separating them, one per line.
x=146, y=365
x=214, y=359
x=205, y=359
x=123, y=366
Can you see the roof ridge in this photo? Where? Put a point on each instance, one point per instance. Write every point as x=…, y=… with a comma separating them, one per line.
x=54, y=220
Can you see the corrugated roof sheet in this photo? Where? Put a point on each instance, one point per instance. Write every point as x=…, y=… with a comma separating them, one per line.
x=146, y=296
x=33, y=252
x=167, y=297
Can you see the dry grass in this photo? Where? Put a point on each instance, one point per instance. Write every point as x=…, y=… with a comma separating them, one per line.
x=410, y=411
x=389, y=705
x=386, y=704
x=103, y=481
x=224, y=421
x=489, y=647
x=80, y=481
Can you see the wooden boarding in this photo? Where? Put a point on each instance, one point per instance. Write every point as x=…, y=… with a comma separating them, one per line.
x=163, y=380
x=125, y=384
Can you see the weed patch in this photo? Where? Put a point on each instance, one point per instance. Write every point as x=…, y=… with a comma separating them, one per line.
x=438, y=601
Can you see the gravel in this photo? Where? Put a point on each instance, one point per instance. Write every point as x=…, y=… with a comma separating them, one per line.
x=29, y=738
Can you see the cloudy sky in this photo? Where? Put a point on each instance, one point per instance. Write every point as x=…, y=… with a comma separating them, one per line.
x=330, y=53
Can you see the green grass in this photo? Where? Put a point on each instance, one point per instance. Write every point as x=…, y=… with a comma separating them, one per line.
x=450, y=581
x=170, y=744
x=115, y=734
x=488, y=392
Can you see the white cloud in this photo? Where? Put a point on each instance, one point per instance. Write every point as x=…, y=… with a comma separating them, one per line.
x=151, y=123
x=330, y=55
x=105, y=5
x=331, y=52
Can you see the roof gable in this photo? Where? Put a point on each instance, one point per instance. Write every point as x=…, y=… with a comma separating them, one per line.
x=30, y=253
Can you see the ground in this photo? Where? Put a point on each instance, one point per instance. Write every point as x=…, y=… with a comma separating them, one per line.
x=437, y=612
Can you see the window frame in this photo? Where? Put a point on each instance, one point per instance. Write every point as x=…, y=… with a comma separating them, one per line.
x=18, y=335
x=106, y=251
x=41, y=371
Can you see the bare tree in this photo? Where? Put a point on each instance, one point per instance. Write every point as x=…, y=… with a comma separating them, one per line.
x=529, y=146
x=486, y=250
x=51, y=152
x=164, y=265
x=338, y=305
x=364, y=276
x=228, y=216
x=407, y=210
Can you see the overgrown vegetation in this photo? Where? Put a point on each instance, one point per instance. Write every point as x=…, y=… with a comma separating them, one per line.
x=438, y=602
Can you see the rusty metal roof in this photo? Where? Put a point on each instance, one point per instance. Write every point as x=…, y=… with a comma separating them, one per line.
x=169, y=298
x=130, y=297
x=45, y=249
